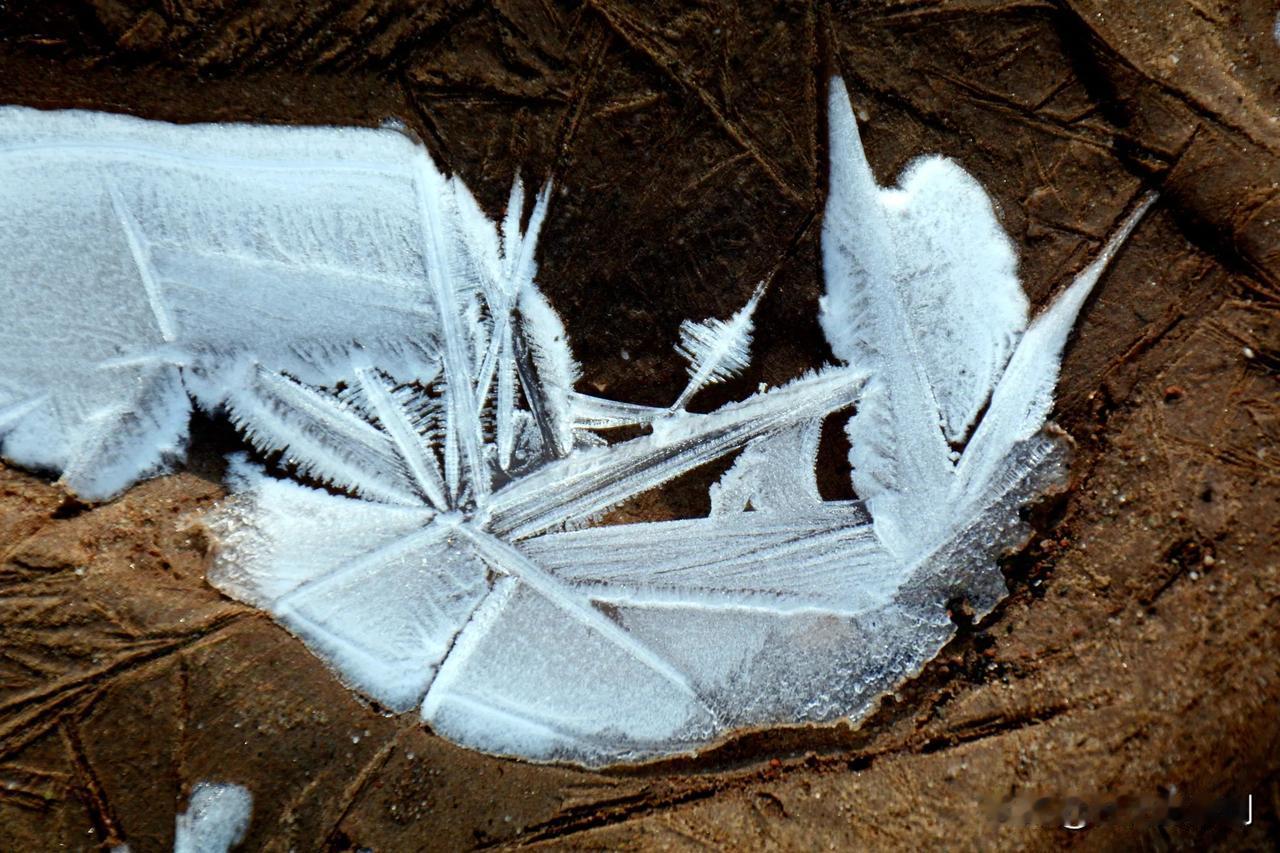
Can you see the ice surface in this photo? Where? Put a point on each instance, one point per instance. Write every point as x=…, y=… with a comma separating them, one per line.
x=421, y=510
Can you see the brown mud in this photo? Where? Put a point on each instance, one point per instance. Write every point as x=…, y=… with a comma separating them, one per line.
x=1137, y=653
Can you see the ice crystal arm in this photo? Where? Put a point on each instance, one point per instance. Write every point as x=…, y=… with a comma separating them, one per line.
x=141, y=258
x=716, y=349
x=547, y=370
x=1024, y=397
x=320, y=434
x=406, y=433
x=591, y=412
x=508, y=560
x=594, y=480
x=501, y=356
x=463, y=435
x=825, y=558
x=516, y=275
x=521, y=252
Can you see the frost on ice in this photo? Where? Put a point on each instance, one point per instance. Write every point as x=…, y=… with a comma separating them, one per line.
x=355, y=314
x=216, y=819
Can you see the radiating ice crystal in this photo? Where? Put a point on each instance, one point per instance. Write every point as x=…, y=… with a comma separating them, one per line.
x=354, y=313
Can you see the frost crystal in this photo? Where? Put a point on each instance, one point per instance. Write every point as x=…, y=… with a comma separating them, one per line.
x=360, y=319
x=216, y=819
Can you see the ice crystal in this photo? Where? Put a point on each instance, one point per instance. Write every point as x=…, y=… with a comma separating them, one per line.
x=359, y=318
x=216, y=819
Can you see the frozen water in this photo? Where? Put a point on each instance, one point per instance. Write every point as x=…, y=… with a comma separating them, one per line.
x=216, y=819
x=358, y=317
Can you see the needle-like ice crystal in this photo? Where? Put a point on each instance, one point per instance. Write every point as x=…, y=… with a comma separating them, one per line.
x=358, y=317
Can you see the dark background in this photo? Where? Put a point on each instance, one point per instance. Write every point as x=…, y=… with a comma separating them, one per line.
x=1137, y=654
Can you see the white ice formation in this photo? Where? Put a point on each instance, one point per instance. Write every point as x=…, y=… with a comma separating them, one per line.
x=365, y=325
x=216, y=819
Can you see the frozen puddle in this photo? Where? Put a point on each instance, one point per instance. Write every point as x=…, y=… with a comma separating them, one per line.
x=351, y=309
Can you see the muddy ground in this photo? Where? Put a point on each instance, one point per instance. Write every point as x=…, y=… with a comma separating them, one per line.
x=1137, y=653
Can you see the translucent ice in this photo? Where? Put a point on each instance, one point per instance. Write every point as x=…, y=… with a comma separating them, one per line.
x=357, y=316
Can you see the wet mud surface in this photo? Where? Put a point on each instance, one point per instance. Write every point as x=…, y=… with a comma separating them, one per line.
x=1137, y=653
